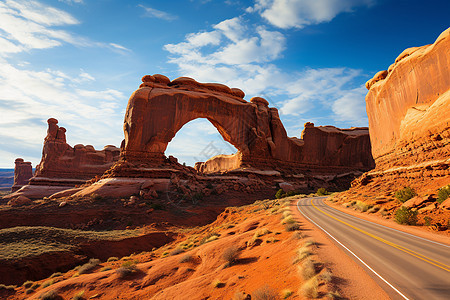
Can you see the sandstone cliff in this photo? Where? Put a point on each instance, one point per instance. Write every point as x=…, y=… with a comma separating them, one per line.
x=23, y=171
x=408, y=108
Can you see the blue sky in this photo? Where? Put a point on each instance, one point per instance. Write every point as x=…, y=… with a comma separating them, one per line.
x=80, y=60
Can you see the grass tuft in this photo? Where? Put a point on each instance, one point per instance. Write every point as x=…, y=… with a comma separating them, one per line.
x=265, y=293
x=231, y=255
x=89, y=266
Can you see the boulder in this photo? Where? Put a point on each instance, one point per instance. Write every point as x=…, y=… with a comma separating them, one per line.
x=415, y=202
x=19, y=201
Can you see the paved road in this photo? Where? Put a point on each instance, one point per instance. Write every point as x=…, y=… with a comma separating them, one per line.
x=405, y=266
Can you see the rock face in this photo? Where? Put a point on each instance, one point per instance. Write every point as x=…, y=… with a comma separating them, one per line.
x=62, y=166
x=160, y=108
x=408, y=108
x=22, y=173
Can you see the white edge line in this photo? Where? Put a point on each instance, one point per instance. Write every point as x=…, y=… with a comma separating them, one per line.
x=351, y=252
x=406, y=233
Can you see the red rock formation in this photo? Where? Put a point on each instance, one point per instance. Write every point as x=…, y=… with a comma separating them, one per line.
x=22, y=173
x=62, y=166
x=409, y=122
x=160, y=107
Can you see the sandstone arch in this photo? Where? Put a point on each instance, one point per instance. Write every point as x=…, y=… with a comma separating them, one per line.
x=160, y=107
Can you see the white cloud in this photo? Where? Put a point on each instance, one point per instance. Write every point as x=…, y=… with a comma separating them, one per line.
x=154, y=13
x=300, y=13
x=238, y=45
x=242, y=57
x=72, y=1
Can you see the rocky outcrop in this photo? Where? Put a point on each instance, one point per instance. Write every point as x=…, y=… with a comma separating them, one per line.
x=160, y=108
x=23, y=171
x=62, y=166
x=409, y=123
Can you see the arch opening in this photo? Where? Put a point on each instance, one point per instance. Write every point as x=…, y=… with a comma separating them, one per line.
x=197, y=141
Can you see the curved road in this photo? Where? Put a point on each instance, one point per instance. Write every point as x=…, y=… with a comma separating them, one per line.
x=405, y=266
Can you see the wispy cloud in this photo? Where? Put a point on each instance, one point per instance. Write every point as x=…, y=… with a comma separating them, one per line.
x=242, y=55
x=300, y=13
x=72, y=1
x=154, y=13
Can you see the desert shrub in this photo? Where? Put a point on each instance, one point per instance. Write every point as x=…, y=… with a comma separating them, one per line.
x=35, y=285
x=57, y=274
x=230, y=255
x=280, y=194
x=186, y=258
x=89, y=266
x=427, y=221
x=307, y=269
x=362, y=206
x=78, y=296
x=7, y=287
x=288, y=220
x=322, y=192
x=211, y=236
x=27, y=284
x=50, y=295
x=297, y=235
x=310, y=289
x=405, y=194
x=217, y=283
x=128, y=268
x=292, y=226
x=265, y=293
x=334, y=295
x=112, y=258
x=302, y=253
x=286, y=294
x=176, y=251
x=104, y=269
x=326, y=276
x=406, y=216
x=373, y=209
x=443, y=194
x=47, y=283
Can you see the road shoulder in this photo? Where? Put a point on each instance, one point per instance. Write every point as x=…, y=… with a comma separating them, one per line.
x=352, y=280
x=417, y=231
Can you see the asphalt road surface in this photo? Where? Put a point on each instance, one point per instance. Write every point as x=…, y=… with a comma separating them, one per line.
x=404, y=265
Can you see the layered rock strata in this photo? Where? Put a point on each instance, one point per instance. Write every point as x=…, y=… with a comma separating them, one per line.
x=409, y=123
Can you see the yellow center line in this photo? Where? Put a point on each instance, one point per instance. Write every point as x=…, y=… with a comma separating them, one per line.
x=404, y=249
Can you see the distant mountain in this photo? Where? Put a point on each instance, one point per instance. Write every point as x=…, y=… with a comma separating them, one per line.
x=6, y=178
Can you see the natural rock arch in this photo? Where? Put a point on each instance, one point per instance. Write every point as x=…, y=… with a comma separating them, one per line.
x=160, y=108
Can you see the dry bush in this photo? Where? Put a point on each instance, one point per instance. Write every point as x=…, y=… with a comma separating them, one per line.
x=7, y=287
x=87, y=267
x=186, y=258
x=292, y=227
x=27, y=284
x=127, y=269
x=265, y=293
x=78, y=296
x=288, y=220
x=51, y=295
x=302, y=253
x=286, y=294
x=176, y=251
x=310, y=288
x=47, y=283
x=307, y=269
x=230, y=255
x=298, y=235
x=112, y=258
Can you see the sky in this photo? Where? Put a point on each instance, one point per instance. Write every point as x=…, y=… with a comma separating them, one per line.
x=79, y=61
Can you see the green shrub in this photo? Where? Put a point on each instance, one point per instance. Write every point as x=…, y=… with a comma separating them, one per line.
x=405, y=194
x=7, y=287
x=443, y=194
x=47, y=283
x=322, y=192
x=78, y=296
x=280, y=194
x=27, y=284
x=406, y=216
x=427, y=221
x=128, y=268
